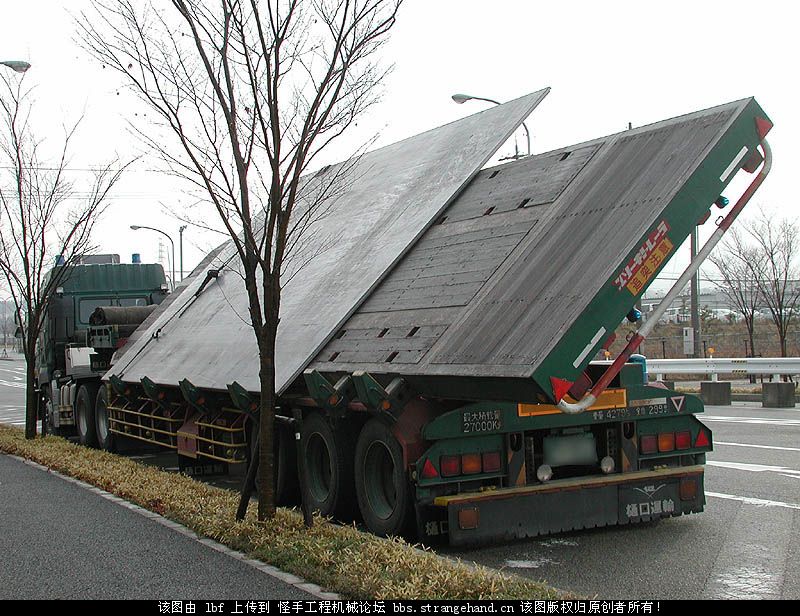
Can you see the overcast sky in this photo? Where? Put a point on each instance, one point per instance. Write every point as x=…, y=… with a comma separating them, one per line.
x=608, y=64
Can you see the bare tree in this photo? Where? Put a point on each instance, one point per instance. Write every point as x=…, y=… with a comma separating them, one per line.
x=45, y=224
x=777, y=242
x=738, y=264
x=251, y=92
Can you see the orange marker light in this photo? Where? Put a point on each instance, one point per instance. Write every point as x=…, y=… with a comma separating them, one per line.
x=471, y=463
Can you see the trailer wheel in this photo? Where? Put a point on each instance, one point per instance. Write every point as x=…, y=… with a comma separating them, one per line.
x=384, y=493
x=105, y=438
x=328, y=464
x=84, y=414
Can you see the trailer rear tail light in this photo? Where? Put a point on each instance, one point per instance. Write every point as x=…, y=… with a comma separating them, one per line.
x=491, y=462
x=688, y=489
x=648, y=444
x=702, y=439
x=429, y=470
x=683, y=440
x=666, y=441
x=450, y=466
x=471, y=463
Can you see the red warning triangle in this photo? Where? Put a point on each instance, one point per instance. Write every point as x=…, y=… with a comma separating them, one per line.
x=702, y=439
x=678, y=402
x=560, y=387
x=429, y=471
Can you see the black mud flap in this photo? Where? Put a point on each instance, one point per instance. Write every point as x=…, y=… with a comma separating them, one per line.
x=653, y=500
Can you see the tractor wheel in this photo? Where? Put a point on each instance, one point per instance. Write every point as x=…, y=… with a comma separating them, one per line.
x=105, y=438
x=84, y=414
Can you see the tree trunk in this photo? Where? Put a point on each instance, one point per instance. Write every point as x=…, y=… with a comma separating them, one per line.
x=266, y=464
x=751, y=326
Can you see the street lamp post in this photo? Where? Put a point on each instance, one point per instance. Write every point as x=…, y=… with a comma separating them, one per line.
x=463, y=98
x=181, y=229
x=137, y=227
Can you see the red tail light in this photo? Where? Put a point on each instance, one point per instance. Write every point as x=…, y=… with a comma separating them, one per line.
x=429, y=471
x=683, y=440
x=491, y=462
x=702, y=439
x=450, y=465
x=648, y=444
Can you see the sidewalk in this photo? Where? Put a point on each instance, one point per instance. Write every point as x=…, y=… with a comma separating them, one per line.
x=60, y=540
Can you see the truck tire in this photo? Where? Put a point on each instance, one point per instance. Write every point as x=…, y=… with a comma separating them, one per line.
x=44, y=412
x=105, y=438
x=84, y=414
x=286, y=483
x=384, y=492
x=286, y=486
x=328, y=467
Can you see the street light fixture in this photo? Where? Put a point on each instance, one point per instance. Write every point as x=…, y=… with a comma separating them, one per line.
x=17, y=65
x=137, y=227
x=463, y=98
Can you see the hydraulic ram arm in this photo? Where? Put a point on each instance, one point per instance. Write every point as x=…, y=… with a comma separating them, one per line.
x=590, y=398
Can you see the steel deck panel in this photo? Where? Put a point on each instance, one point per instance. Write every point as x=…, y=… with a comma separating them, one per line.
x=394, y=194
x=571, y=239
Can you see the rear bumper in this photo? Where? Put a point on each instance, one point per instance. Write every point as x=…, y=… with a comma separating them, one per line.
x=566, y=505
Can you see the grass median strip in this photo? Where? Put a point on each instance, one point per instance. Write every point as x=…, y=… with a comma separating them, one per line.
x=338, y=558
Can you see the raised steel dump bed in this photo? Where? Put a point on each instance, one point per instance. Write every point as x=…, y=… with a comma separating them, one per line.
x=536, y=262
x=517, y=278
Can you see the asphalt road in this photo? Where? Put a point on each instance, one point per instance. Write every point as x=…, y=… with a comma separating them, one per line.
x=60, y=541
x=745, y=545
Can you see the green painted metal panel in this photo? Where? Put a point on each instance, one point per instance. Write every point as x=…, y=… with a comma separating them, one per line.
x=685, y=209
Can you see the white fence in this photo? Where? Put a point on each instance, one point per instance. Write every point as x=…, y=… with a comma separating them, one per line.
x=744, y=366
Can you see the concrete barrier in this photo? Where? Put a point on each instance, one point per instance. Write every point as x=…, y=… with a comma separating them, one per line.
x=777, y=395
x=717, y=393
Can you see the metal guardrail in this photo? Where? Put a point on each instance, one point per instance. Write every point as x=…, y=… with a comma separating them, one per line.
x=744, y=366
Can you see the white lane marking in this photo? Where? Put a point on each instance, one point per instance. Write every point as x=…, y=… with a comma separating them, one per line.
x=726, y=174
x=587, y=349
x=756, y=446
x=531, y=564
x=767, y=421
x=549, y=543
x=758, y=502
x=12, y=384
x=753, y=468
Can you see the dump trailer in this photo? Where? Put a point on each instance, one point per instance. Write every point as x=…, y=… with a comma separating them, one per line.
x=439, y=351
x=70, y=364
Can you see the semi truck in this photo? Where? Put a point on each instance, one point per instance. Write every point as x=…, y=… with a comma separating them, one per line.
x=68, y=366
x=441, y=353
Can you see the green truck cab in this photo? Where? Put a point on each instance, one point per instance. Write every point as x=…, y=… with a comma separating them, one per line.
x=64, y=370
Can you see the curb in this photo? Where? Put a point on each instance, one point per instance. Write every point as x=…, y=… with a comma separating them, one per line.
x=288, y=578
